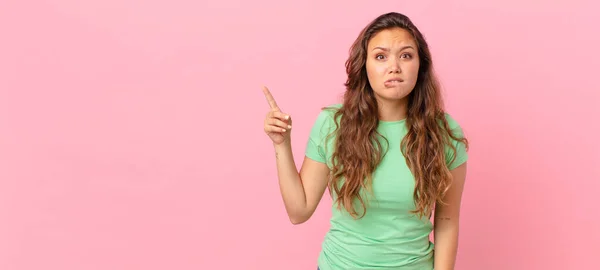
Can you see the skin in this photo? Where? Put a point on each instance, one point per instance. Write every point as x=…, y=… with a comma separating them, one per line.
x=446, y=221
x=391, y=54
x=301, y=191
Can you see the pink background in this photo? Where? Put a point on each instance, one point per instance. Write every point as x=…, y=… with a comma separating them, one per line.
x=131, y=131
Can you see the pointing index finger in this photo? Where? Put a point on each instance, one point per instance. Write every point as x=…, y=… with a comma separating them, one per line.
x=270, y=98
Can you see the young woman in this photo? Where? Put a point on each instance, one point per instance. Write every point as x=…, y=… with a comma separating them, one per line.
x=389, y=154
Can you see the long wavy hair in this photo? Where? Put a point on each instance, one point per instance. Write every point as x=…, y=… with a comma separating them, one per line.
x=358, y=150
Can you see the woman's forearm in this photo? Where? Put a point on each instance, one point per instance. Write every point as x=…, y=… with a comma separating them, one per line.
x=446, y=244
x=290, y=184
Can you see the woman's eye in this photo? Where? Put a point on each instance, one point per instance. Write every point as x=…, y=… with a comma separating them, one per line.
x=406, y=55
x=379, y=57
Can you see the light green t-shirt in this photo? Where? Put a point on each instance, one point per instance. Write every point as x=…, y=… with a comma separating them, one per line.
x=388, y=236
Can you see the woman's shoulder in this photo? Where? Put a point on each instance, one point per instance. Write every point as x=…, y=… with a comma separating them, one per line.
x=452, y=122
x=332, y=108
x=325, y=121
x=328, y=112
x=324, y=125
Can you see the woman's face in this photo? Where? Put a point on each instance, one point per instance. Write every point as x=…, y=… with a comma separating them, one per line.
x=392, y=64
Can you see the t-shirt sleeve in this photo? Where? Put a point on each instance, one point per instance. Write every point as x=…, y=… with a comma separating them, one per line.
x=316, y=146
x=461, y=155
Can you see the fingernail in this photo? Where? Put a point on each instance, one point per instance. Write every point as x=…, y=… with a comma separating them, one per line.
x=290, y=127
x=287, y=117
x=283, y=129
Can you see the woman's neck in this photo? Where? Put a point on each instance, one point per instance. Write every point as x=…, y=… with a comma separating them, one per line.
x=395, y=110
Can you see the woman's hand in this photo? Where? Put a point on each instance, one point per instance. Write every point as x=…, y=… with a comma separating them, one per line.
x=277, y=124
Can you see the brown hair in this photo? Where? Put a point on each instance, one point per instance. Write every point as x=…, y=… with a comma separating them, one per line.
x=357, y=149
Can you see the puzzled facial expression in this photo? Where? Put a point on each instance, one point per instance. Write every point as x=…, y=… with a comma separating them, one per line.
x=392, y=64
